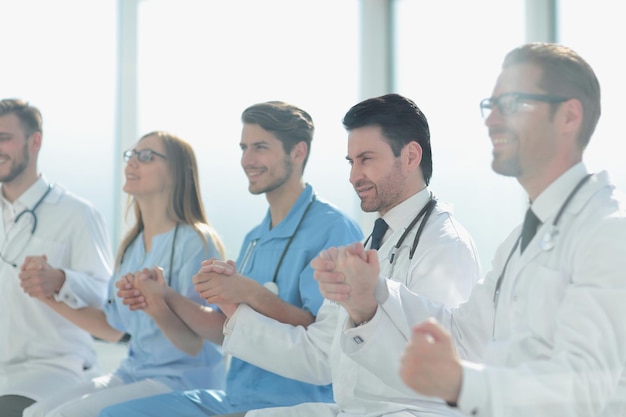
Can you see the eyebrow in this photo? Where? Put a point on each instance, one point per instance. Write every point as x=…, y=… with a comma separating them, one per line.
x=360, y=155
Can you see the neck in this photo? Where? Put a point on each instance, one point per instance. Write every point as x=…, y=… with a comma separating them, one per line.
x=14, y=189
x=282, y=200
x=538, y=181
x=155, y=220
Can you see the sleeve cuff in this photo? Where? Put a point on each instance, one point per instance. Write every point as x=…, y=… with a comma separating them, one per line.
x=473, y=398
x=67, y=295
x=230, y=322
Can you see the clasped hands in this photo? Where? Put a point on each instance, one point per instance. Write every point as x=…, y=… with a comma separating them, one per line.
x=38, y=279
x=217, y=282
x=348, y=275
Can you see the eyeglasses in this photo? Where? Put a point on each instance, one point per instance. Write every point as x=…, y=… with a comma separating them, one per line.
x=143, y=155
x=510, y=103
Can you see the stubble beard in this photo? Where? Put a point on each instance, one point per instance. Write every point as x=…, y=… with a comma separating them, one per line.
x=17, y=168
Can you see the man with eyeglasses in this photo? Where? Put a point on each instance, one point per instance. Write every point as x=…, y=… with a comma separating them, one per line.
x=543, y=335
x=39, y=350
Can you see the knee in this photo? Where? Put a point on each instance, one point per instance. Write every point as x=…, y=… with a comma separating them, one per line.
x=110, y=411
x=14, y=405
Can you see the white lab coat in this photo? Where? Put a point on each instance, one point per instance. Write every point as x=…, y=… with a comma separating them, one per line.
x=445, y=265
x=40, y=350
x=558, y=343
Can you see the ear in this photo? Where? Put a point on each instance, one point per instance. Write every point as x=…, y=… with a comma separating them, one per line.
x=35, y=144
x=571, y=116
x=413, y=152
x=299, y=152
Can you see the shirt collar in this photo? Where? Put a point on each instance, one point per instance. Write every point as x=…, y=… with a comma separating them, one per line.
x=29, y=197
x=402, y=214
x=288, y=225
x=553, y=197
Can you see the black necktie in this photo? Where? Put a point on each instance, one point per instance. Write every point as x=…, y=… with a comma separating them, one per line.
x=531, y=222
x=380, y=227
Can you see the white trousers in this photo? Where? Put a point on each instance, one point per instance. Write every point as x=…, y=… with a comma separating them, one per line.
x=88, y=399
x=37, y=379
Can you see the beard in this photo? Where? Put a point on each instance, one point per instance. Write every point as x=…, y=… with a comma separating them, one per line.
x=17, y=167
x=388, y=192
x=276, y=182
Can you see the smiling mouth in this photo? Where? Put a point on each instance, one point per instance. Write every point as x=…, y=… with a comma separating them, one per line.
x=254, y=173
x=363, y=190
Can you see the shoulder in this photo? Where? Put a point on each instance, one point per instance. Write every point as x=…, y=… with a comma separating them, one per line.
x=326, y=209
x=324, y=215
x=446, y=225
x=192, y=241
x=70, y=203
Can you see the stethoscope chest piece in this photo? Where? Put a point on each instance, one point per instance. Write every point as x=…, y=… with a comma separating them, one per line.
x=547, y=240
x=270, y=285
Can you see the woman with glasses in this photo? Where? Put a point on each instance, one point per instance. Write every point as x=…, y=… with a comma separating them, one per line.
x=171, y=233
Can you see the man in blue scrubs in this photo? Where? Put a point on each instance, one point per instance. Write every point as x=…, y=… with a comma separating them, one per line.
x=272, y=274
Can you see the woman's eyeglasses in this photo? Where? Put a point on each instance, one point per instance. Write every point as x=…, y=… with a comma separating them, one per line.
x=143, y=155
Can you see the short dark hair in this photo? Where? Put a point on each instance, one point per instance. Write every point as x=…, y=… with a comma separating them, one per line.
x=566, y=74
x=290, y=124
x=30, y=116
x=401, y=122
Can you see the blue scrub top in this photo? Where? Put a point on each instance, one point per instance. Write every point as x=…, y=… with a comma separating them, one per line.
x=323, y=226
x=150, y=353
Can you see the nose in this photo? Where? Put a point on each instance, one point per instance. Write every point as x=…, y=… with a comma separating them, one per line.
x=133, y=161
x=246, y=157
x=355, y=173
x=494, y=117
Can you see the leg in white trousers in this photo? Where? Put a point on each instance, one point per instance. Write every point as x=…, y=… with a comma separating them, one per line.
x=89, y=398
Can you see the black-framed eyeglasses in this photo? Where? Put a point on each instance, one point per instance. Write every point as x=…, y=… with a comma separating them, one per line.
x=510, y=103
x=143, y=155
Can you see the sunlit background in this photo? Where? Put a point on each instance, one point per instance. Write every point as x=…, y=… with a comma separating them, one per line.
x=104, y=72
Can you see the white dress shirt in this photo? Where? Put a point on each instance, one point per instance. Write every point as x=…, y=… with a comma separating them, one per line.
x=37, y=343
x=445, y=266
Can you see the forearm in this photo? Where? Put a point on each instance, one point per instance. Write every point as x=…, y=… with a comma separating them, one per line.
x=206, y=322
x=175, y=329
x=89, y=319
x=268, y=304
x=293, y=352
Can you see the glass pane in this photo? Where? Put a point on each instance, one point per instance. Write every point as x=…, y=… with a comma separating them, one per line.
x=600, y=43
x=447, y=62
x=202, y=63
x=60, y=56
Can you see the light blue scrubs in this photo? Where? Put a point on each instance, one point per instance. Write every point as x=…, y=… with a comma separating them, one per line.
x=249, y=387
x=150, y=353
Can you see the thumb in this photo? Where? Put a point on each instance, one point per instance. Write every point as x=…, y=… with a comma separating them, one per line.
x=159, y=275
x=431, y=329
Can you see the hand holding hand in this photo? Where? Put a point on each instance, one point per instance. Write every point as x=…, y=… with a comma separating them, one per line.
x=152, y=286
x=38, y=279
x=430, y=365
x=130, y=294
x=219, y=283
x=348, y=275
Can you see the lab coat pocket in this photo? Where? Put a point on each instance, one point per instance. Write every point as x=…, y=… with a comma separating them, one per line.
x=57, y=253
x=545, y=292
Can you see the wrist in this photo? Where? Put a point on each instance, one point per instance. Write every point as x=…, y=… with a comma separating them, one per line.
x=60, y=280
x=361, y=317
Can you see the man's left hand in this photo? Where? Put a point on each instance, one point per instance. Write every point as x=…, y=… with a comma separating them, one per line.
x=430, y=365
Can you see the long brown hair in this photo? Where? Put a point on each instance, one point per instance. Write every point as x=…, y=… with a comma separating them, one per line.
x=185, y=206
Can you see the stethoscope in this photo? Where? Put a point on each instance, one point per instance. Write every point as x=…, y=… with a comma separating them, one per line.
x=546, y=243
x=424, y=213
x=272, y=285
x=31, y=212
x=172, y=250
